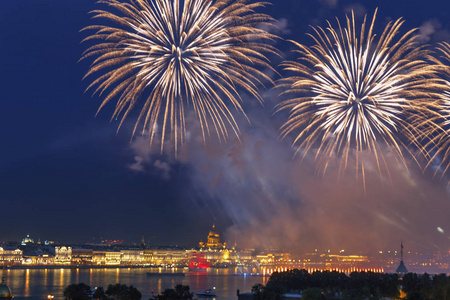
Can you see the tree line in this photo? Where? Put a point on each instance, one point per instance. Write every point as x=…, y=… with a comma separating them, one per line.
x=82, y=291
x=325, y=285
x=355, y=286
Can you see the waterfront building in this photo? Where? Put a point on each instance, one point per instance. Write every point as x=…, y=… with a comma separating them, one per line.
x=99, y=258
x=10, y=257
x=106, y=258
x=113, y=258
x=218, y=256
x=169, y=257
x=148, y=255
x=63, y=255
x=82, y=257
x=265, y=258
x=38, y=260
x=245, y=256
x=132, y=257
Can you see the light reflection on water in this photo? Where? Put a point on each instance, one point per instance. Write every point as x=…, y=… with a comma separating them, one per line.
x=33, y=284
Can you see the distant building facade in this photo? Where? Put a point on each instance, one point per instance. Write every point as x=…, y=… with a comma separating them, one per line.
x=82, y=257
x=63, y=255
x=9, y=257
x=169, y=257
x=27, y=240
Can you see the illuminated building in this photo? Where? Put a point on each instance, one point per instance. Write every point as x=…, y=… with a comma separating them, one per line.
x=132, y=257
x=63, y=255
x=244, y=256
x=10, y=257
x=148, y=255
x=82, y=257
x=212, y=241
x=106, y=258
x=265, y=258
x=169, y=257
x=38, y=259
x=113, y=258
x=99, y=258
x=27, y=240
x=219, y=256
x=348, y=258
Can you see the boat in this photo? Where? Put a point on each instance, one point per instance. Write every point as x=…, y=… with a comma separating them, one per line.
x=221, y=266
x=150, y=274
x=206, y=293
x=198, y=262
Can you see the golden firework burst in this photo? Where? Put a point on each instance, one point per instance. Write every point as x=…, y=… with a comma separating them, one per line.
x=352, y=91
x=166, y=55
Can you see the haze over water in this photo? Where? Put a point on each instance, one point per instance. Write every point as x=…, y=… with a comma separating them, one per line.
x=33, y=284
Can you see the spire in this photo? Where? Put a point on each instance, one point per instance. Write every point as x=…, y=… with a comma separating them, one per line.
x=401, y=249
x=401, y=269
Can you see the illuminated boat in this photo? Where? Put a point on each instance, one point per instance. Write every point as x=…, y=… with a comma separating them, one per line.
x=206, y=293
x=198, y=262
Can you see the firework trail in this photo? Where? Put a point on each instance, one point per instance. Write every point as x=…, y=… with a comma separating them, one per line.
x=435, y=125
x=350, y=91
x=173, y=54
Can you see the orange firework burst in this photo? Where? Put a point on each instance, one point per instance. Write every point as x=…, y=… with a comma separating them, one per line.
x=165, y=55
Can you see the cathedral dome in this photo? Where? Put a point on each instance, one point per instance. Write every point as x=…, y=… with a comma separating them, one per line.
x=212, y=231
x=213, y=240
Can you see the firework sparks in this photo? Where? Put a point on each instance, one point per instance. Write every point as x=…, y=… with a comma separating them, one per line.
x=174, y=54
x=435, y=126
x=351, y=91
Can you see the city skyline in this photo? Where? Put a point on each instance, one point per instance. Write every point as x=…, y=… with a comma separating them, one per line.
x=68, y=176
x=110, y=253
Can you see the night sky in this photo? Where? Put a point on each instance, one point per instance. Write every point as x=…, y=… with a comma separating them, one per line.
x=66, y=175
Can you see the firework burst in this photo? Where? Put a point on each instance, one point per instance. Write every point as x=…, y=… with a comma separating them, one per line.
x=172, y=54
x=351, y=91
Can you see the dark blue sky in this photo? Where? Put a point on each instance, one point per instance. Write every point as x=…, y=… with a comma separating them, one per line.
x=66, y=175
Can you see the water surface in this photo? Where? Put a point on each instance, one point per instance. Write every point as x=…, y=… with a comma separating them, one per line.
x=33, y=284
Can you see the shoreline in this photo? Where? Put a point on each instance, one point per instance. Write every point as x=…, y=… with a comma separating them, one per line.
x=80, y=267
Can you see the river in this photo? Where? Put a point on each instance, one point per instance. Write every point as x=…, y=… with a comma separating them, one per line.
x=33, y=284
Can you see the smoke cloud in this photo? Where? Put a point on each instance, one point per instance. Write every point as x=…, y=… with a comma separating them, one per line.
x=274, y=200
